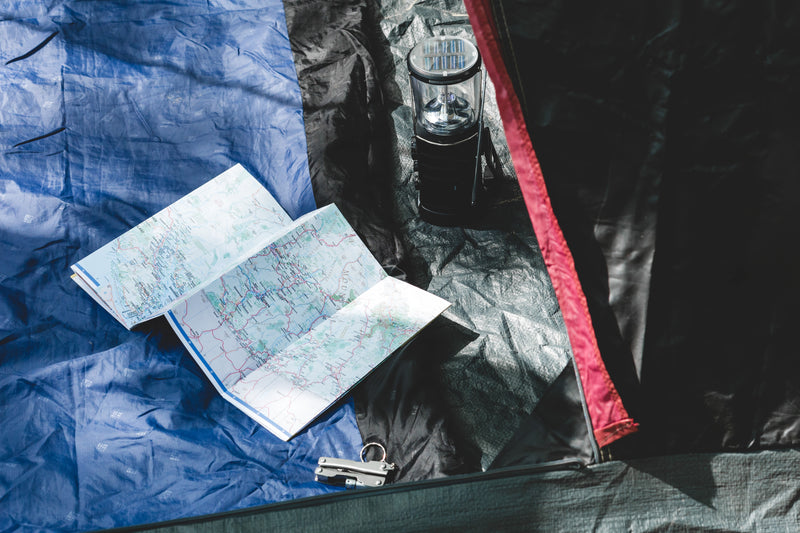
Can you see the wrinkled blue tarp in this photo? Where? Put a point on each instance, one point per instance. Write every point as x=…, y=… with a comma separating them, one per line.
x=110, y=111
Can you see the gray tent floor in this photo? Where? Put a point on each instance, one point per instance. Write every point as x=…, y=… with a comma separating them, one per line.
x=697, y=492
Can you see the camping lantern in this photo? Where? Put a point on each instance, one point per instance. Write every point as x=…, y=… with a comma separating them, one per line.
x=446, y=82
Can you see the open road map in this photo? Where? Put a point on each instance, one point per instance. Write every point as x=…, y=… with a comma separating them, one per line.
x=283, y=317
x=293, y=328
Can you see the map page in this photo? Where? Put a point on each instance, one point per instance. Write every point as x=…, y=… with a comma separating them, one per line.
x=290, y=330
x=140, y=274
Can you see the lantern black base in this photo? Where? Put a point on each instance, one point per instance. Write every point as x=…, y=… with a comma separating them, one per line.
x=448, y=176
x=450, y=179
x=451, y=218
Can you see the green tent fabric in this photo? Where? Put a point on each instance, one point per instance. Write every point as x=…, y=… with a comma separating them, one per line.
x=700, y=492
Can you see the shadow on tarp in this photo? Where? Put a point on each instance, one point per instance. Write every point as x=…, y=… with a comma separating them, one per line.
x=402, y=405
x=691, y=475
x=556, y=429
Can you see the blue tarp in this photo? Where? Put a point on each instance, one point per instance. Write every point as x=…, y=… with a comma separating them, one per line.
x=109, y=111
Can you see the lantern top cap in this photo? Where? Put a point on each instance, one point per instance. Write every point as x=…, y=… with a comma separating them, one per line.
x=444, y=59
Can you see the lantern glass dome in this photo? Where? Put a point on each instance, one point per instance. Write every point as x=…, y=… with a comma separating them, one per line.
x=446, y=82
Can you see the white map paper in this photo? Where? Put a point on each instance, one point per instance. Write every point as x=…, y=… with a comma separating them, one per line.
x=138, y=275
x=285, y=319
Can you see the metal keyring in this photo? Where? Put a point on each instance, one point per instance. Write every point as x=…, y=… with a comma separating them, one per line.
x=367, y=445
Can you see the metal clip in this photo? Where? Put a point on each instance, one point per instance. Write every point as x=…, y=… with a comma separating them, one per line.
x=354, y=474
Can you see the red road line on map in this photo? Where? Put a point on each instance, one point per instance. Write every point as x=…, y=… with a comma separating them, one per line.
x=346, y=237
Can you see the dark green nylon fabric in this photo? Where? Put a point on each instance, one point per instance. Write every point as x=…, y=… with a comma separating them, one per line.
x=701, y=492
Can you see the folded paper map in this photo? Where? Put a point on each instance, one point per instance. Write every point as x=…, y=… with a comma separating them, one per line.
x=284, y=317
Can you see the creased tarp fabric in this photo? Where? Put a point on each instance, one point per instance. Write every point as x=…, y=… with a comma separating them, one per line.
x=497, y=352
x=133, y=434
x=121, y=109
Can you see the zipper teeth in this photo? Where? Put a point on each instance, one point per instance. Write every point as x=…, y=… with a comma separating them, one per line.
x=585, y=408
